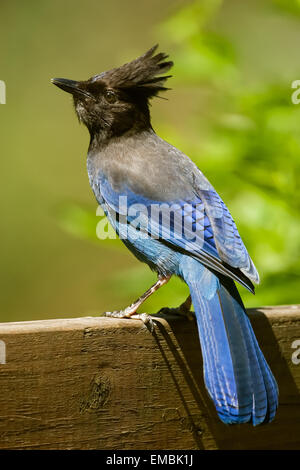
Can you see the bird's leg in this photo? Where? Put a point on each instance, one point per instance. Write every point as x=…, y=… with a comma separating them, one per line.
x=130, y=312
x=183, y=309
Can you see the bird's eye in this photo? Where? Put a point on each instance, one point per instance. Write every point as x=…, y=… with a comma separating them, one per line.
x=110, y=96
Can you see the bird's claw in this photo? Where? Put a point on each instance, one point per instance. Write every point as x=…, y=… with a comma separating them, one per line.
x=117, y=314
x=177, y=311
x=146, y=319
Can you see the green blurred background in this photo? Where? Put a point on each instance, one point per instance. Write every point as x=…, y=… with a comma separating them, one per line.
x=229, y=109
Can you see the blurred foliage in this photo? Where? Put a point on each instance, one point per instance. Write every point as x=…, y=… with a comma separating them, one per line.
x=292, y=6
x=249, y=148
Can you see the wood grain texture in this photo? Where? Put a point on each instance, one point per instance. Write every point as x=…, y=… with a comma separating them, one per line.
x=102, y=383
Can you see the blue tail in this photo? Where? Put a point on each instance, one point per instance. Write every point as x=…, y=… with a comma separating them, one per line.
x=236, y=374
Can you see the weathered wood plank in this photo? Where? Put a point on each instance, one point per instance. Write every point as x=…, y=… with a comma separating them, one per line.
x=101, y=383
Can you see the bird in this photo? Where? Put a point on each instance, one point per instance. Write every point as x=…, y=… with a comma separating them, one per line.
x=170, y=217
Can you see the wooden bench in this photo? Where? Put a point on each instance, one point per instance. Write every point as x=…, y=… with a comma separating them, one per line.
x=102, y=383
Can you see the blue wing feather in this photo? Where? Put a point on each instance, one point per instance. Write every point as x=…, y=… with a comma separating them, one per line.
x=193, y=230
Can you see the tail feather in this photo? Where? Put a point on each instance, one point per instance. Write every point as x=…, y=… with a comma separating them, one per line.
x=270, y=384
x=236, y=374
x=234, y=314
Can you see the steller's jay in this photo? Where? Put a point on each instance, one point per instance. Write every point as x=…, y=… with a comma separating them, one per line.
x=198, y=241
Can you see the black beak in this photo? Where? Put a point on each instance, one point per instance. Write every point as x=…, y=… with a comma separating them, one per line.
x=70, y=86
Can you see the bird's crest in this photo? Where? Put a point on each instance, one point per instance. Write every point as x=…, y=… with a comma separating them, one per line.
x=142, y=74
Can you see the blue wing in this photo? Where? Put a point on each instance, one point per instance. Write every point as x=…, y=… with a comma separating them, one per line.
x=229, y=244
x=201, y=227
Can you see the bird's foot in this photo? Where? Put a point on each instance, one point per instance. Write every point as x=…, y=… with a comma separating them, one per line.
x=177, y=311
x=146, y=319
x=127, y=313
x=183, y=310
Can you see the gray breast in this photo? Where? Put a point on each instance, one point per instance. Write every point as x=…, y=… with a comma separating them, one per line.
x=149, y=166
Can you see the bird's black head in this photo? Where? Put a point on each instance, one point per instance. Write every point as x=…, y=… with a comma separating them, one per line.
x=116, y=102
